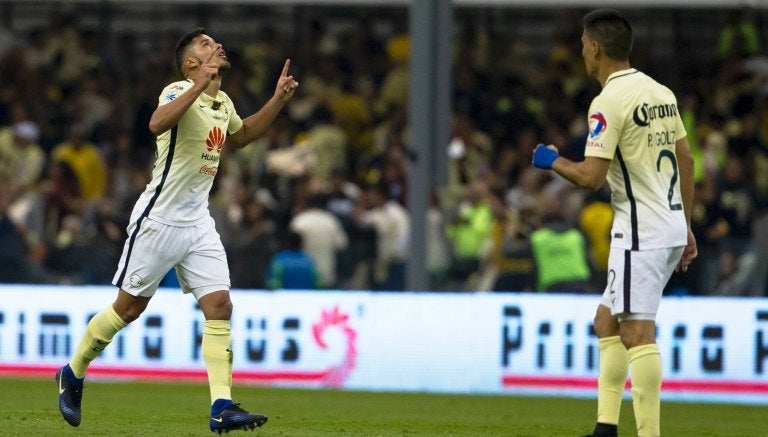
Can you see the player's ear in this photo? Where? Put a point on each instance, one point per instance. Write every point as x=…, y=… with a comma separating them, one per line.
x=592, y=49
x=597, y=48
x=190, y=62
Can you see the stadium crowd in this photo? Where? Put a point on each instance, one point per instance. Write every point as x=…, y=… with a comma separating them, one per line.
x=75, y=152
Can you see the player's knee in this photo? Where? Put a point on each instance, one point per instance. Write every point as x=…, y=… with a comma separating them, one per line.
x=217, y=307
x=130, y=311
x=130, y=314
x=223, y=311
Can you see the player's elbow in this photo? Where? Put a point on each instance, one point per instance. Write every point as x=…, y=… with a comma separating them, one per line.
x=241, y=138
x=156, y=127
x=685, y=159
x=594, y=183
x=236, y=141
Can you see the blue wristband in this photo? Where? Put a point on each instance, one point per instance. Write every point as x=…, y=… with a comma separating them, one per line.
x=543, y=157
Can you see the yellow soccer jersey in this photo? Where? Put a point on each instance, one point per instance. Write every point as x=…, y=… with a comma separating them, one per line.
x=187, y=159
x=634, y=122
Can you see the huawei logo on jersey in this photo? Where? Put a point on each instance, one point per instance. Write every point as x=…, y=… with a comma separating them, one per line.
x=215, y=139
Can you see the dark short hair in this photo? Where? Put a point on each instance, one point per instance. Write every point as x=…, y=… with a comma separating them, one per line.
x=181, y=46
x=612, y=30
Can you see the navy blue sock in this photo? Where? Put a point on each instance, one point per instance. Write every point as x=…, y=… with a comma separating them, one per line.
x=220, y=405
x=605, y=430
x=70, y=375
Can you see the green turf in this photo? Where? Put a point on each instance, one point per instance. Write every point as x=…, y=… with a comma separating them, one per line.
x=29, y=407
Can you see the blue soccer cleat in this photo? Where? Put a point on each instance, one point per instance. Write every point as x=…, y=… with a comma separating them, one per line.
x=70, y=394
x=227, y=416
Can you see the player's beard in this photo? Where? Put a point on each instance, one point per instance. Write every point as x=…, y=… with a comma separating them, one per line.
x=224, y=67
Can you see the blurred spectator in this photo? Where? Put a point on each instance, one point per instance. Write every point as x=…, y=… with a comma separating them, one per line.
x=509, y=263
x=394, y=89
x=16, y=266
x=90, y=104
x=736, y=205
x=14, y=261
x=102, y=246
x=344, y=200
x=342, y=194
x=251, y=247
x=390, y=169
x=739, y=38
x=22, y=161
x=85, y=160
x=562, y=262
x=392, y=224
x=469, y=151
x=29, y=157
x=714, y=145
x=61, y=197
x=709, y=230
x=250, y=163
x=596, y=221
x=322, y=236
x=124, y=164
x=291, y=268
x=391, y=131
x=329, y=143
x=351, y=113
x=688, y=107
x=467, y=233
x=322, y=86
x=65, y=251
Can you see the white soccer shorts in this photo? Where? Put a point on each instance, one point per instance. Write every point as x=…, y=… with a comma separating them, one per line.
x=636, y=280
x=154, y=248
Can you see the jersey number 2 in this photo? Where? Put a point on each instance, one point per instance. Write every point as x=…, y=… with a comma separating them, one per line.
x=671, y=156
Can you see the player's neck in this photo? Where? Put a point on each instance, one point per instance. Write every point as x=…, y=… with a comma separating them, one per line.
x=213, y=88
x=608, y=68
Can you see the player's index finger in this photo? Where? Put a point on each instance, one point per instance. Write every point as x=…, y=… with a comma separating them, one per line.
x=285, y=67
x=210, y=58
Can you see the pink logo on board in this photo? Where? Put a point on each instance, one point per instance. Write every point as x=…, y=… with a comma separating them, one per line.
x=335, y=319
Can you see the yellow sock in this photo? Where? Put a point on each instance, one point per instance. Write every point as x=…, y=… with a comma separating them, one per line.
x=612, y=375
x=645, y=365
x=101, y=328
x=217, y=354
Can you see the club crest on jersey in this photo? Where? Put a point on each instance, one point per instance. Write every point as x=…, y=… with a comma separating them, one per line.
x=215, y=139
x=597, y=124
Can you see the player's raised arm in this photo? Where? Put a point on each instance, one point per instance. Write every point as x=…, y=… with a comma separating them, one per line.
x=257, y=124
x=167, y=115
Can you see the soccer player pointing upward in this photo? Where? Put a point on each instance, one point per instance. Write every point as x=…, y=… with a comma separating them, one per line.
x=636, y=142
x=171, y=227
